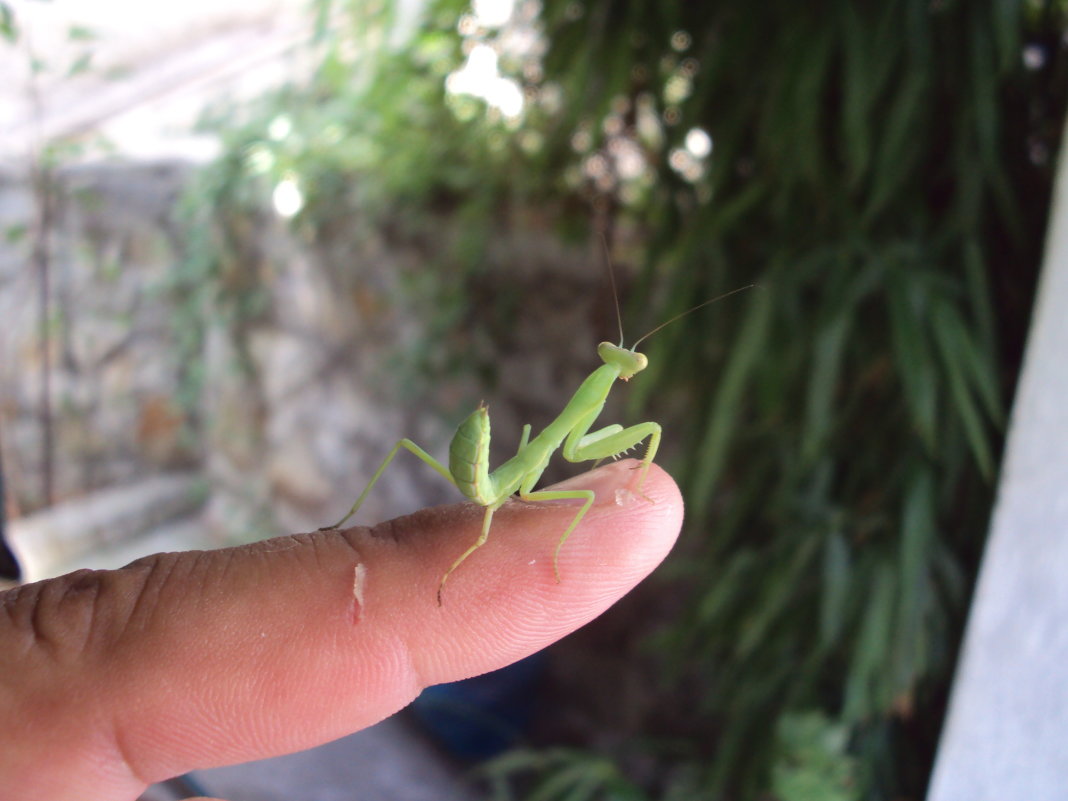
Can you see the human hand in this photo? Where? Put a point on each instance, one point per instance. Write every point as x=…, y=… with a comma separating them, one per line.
x=112, y=680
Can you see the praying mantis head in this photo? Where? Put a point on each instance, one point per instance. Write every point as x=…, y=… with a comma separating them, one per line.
x=628, y=361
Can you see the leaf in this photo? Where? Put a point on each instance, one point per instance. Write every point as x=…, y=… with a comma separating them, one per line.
x=584, y=789
x=8, y=28
x=864, y=692
x=823, y=382
x=775, y=596
x=724, y=410
x=514, y=761
x=872, y=52
x=984, y=91
x=1005, y=24
x=13, y=234
x=807, y=86
x=976, y=271
x=977, y=366
x=911, y=353
x=898, y=151
x=80, y=65
x=564, y=779
x=944, y=325
x=719, y=594
x=81, y=33
x=858, y=95
x=835, y=584
x=918, y=535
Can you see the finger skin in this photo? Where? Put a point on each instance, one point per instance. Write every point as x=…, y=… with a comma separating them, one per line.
x=112, y=680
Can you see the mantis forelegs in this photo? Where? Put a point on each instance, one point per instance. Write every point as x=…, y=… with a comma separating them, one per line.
x=608, y=441
x=611, y=441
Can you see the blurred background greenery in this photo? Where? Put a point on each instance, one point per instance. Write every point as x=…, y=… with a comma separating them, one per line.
x=881, y=170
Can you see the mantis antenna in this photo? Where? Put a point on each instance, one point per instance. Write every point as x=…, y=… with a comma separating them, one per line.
x=612, y=282
x=692, y=309
x=665, y=324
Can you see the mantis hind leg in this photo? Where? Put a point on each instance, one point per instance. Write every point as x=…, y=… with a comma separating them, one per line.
x=559, y=495
x=408, y=445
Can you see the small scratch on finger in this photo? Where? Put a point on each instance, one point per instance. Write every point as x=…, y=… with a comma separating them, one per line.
x=359, y=581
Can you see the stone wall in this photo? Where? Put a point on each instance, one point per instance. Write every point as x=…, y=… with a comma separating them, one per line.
x=300, y=399
x=328, y=381
x=109, y=339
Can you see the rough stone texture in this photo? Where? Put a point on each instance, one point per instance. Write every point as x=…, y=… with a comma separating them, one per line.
x=113, y=370
x=296, y=434
x=303, y=396
x=1006, y=736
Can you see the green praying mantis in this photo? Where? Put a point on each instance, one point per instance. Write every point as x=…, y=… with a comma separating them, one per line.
x=468, y=468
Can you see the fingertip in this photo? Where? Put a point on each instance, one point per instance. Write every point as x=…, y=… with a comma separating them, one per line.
x=632, y=525
x=506, y=598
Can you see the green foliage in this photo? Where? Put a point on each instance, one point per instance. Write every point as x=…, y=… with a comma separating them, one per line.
x=379, y=112
x=216, y=276
x=883, y=172
x=372, y=143
x=812, y=763
x=866, y=174
x=9, y=31
x=560, y=773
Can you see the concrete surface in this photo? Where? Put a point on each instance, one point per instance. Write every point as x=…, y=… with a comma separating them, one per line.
x=388, y=762
x=1006, y=736
x=109, y=528
x=153, y=69
x=187, y=534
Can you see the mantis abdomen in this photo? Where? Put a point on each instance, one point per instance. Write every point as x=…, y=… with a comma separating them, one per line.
x=469, y=458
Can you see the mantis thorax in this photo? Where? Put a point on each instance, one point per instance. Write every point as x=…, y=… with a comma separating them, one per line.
x=628, y=361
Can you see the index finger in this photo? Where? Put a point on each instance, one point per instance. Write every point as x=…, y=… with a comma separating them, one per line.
x=199, y=659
